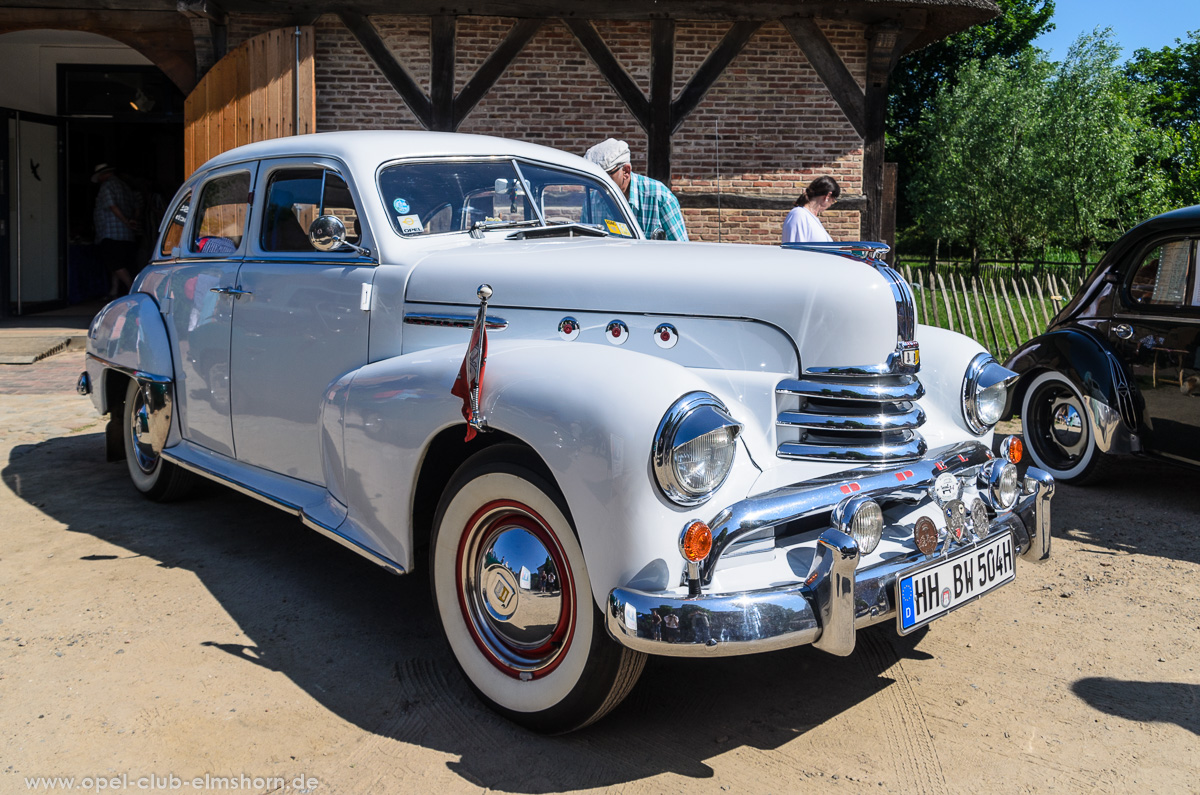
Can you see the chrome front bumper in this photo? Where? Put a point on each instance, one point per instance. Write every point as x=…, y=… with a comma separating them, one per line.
x=837, y=598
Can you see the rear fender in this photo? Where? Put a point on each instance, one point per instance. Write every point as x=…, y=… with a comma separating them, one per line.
x=128, y=339
x=590, y=412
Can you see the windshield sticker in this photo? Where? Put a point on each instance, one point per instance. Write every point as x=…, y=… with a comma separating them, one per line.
x=618, y=228
x=401, y=206
x=409, y=224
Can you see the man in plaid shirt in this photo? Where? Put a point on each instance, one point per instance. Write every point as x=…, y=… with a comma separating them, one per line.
x=116, y=226
x=654, y=206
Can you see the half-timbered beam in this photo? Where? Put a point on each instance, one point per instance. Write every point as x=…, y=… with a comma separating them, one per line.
x=611, y=70
x=885, y=44
x=393, y=71
x=825, y=61
x=662, y=88
x=710, y=71
x=441, y=73
x=482, y=81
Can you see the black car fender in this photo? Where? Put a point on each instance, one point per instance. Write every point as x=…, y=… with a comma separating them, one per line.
x=1085, y=360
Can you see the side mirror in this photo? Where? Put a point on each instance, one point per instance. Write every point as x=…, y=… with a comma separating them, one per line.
x=328, y=233
x=658, y=234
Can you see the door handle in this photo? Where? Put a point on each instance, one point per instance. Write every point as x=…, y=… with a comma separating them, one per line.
x=234, y=291
x=1123, y=330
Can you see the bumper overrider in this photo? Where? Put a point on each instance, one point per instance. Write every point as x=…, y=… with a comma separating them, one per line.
x=837, y=598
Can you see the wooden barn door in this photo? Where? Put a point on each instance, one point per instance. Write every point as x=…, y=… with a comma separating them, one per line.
x=263, y=89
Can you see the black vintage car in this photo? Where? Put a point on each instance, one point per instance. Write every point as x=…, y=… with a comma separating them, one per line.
x=1118, y=370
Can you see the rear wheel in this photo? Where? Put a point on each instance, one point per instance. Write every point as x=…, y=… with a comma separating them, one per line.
x=1055, y=424
x=159, y=480
x=515, y=601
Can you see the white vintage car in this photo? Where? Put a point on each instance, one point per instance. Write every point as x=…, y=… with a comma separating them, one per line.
x=609, y=446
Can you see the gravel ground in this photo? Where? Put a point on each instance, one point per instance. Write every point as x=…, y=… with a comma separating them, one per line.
x=218, y=637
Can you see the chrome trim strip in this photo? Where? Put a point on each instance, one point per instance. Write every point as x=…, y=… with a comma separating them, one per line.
x=287, y=507
x=908, y=389
x=819, y=495
x=140, y=375
x=819, y=420
x=911, y=448
x=863, y=251
x=749, y=622
x=454, y=321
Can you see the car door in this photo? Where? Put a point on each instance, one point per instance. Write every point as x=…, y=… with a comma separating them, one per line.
x=207, y=238
x=1156, y=330
x=301, y=318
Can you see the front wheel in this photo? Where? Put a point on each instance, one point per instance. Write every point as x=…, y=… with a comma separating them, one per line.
x=1055, y=424
x=159, y=480
x=514, y=598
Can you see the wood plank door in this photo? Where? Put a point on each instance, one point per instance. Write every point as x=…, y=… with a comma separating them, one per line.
x=263, y=89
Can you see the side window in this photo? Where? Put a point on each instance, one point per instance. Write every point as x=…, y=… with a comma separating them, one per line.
x=295, y=198
x=174, y=234
x=1161, y=278
x=221, y=214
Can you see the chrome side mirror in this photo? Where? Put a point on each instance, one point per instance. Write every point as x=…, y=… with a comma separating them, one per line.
x=328, y=233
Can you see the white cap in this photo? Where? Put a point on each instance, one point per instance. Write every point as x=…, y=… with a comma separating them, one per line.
x=609, y=154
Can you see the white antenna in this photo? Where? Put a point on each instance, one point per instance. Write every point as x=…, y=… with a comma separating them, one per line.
x=717, y=137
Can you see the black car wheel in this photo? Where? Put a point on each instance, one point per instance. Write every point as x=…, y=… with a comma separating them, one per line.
x=1055, y=423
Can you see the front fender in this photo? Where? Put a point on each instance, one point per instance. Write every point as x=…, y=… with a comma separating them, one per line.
x=129, y=335
x=589, y=411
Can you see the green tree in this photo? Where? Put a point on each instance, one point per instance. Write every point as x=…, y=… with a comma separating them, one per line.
x=1100, y=153
x=980, y=161
x=920, y=75
x=1171, y=77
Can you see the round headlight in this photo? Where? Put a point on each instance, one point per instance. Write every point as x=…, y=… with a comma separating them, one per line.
x=861, y=518
x=1002, y=484
x=985, y=393
x=694, y=448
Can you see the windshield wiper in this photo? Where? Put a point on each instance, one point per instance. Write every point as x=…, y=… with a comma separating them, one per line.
x=479, y=227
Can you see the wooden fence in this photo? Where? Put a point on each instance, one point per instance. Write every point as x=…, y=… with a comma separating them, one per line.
x=999, y=311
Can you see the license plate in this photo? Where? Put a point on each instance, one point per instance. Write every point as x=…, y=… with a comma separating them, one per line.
x=934, y=589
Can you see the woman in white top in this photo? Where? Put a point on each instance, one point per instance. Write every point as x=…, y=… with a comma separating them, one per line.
x=801, y=224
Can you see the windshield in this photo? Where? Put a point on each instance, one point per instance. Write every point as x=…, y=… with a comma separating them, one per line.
x=454, y=195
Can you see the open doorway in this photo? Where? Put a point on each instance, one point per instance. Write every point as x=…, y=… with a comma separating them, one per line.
x=126, y=114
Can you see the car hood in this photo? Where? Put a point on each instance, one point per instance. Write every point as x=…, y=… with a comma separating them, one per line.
x=838, y=311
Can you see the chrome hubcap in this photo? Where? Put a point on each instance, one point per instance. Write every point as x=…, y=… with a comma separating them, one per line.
x=515, y=589
x=1066, y=426
x=139, y=432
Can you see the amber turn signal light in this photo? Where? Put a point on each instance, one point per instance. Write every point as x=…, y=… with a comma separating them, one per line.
x=696, y=542
x=1012, y=448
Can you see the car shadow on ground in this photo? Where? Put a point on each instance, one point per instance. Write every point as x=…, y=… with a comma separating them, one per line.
x=1117, y=526
x=1142, y=701
x=365, y=643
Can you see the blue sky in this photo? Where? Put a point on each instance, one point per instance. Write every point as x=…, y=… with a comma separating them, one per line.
x=1137, y=23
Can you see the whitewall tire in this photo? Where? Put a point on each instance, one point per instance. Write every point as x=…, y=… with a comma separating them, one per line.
x=1057, y=430
x=512, y=591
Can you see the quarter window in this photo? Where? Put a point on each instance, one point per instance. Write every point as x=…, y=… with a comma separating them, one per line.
x=1162, y=276
x=222, y=213
x=174, y=233
x=295, y=198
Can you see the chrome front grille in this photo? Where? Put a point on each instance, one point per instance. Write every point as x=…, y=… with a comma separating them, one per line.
x=861, y=418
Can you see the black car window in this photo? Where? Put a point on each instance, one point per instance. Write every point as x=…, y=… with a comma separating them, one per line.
x=295, y=197
x=174, y=234
x=222, y=213
x=1163, y=274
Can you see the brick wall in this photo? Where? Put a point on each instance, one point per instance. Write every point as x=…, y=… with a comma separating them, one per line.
x=767, y=127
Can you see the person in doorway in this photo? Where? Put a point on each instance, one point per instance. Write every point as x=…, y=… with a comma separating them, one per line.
x=802, y=224
x=116, y=228
x=654, y=206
